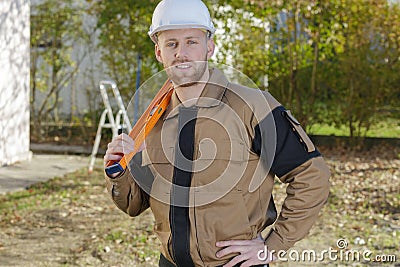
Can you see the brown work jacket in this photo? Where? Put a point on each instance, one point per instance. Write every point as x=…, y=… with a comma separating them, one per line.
x=207, y=173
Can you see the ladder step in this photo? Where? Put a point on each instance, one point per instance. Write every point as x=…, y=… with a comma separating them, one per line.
x=108, y=111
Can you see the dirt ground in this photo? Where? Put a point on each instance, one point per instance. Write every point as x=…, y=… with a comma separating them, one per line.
x=71, y=221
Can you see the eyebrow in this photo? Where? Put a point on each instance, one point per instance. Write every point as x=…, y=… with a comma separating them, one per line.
x=186, y=38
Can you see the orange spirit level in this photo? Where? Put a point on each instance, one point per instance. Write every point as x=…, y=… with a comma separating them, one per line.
x=143, y=126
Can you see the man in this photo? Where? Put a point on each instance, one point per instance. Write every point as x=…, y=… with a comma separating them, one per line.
x=207, y=168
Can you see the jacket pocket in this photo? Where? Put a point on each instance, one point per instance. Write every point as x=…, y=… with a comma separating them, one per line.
x=220, y=164
x=164, y=235
x=221, y=149
x=223, y=219
x=160, y=162
x=301, y=134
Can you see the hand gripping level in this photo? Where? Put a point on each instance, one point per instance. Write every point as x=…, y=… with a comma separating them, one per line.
x=143, y=126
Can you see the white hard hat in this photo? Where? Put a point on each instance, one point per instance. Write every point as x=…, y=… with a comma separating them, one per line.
x=180, y=14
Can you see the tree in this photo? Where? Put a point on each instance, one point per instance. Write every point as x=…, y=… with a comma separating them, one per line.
x=362, y=73
x=332, y=62
x=282, y=40
x=55, y=27
x=123, y=27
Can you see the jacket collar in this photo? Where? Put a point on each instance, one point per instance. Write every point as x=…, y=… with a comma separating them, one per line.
x=211, y=95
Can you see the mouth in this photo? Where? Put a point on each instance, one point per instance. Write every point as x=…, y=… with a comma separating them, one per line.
x=183, y=66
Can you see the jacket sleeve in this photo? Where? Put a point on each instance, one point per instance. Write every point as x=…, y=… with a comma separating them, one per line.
x=130, y=190
x=297, y=162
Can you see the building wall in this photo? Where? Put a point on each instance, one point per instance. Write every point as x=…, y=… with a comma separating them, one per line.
x=14, y=80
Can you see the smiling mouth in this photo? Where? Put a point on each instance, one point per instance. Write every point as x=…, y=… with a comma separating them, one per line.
x=182, y=66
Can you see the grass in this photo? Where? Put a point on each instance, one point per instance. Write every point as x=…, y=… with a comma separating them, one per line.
x=388, y=128
x=84, y=226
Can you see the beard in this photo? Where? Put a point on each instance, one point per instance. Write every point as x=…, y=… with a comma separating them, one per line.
x=187, y=77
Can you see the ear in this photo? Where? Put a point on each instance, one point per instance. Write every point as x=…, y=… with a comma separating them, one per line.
x=210, y=48
x=157, y=52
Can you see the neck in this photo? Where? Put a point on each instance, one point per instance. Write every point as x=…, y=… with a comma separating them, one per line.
x=190, y=94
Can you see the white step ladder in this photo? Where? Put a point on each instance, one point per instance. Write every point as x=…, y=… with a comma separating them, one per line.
x=114, y=123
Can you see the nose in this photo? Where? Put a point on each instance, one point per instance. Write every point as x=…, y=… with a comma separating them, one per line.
x=182, y=52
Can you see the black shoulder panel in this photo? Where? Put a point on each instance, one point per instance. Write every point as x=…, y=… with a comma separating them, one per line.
x=282, y=143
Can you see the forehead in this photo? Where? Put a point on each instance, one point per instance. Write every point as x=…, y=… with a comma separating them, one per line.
x=181, y=34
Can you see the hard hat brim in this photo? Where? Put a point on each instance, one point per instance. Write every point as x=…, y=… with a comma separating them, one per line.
x=152, y=33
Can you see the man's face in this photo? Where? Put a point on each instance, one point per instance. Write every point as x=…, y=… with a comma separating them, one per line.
x=184, y=54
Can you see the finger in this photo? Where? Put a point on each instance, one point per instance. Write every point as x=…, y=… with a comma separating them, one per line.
x=121, y=138
x=233, y=243
x=127, y=143
x=120, y=146
x=229, y=250
x=127, y=148
x=113, y=144
x=116, y=149
x=112, y=157
x=118, y=137
x=127, y=138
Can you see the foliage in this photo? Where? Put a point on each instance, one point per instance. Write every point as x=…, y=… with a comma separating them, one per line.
x=362, y=76
x=332, y=62
x=123, y=27
x=55, y=28
x=293, y=43
x=243, y=40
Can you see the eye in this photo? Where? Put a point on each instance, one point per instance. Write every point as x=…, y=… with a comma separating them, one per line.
x=171, y=44
x=192, y=42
